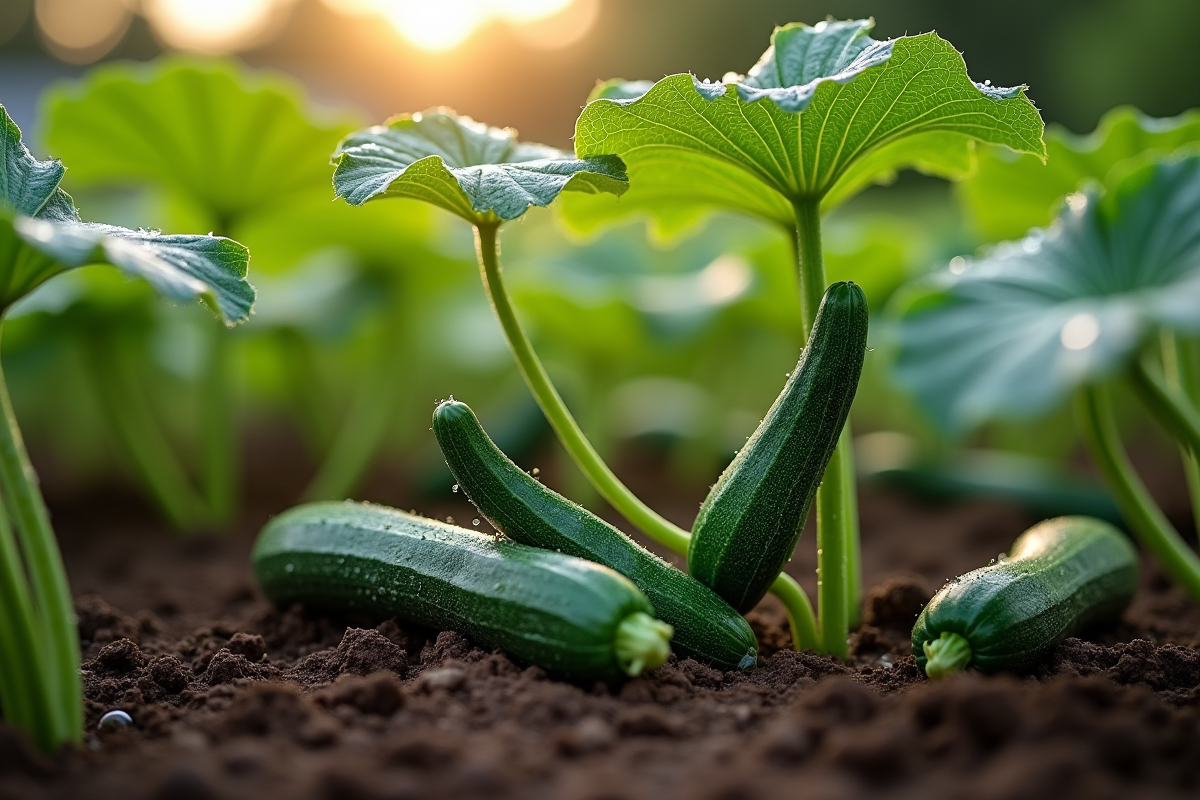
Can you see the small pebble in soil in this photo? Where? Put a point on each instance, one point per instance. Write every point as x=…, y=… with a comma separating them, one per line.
x=114, y=721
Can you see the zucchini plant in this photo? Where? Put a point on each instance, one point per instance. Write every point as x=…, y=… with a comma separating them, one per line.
x=1096, y=301
x=238, y=153
x=487, y=177
x=826, y=112
x=41, y=236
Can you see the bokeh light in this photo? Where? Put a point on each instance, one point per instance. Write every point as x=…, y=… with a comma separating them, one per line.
x=216, y=26
x=438, y=25
x=82, y=31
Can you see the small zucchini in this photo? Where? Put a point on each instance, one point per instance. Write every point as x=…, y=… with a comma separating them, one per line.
x=748, y=526
x=520, y=507
x=565, y=614
x=1063, y=575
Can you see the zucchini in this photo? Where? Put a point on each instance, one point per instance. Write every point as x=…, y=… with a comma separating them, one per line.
x=565, y=614
x=1063, y=575
x=520, y=507
x=750, y=522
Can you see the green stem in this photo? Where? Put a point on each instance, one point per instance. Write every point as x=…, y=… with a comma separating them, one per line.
x=565, y=426
x=47, y=577
x=1168, y=404
x=218, y=427
x=585, y=456
x=837, y=529
x=363, y=432
x=1181, y=365
x=853, y=541
x=140, y=437
x=25, y=697
x=1093, y=410
x=946, y=655
x=642, y=643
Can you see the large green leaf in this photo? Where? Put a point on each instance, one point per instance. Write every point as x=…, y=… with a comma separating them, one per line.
x=482, y=174
x=41, y=235
x=1012, y=334
x=229, y=142
x=826, y=112
x=1011, y=193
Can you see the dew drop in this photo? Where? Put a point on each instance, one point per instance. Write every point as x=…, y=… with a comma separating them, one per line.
x=289, y=567
x=114, y=720
x=454, y=488
x=535, y=472
x=475, y=522
x=450, y=519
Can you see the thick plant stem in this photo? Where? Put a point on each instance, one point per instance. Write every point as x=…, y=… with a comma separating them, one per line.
x=1181, y=365
x=1169, y=405
x=218, y=427
x=1093, y=409
x=47, y=577
x=585, y=456
x=837, y=522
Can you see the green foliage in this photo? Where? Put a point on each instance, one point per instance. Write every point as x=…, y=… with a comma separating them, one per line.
x=826, y=112
x=41, y=235
x=1012, y=334
x=482, y=174
x=225, y=142
x=1011, y=193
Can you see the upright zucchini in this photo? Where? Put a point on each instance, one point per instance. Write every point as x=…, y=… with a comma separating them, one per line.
x=748, y=526
x=1062, y=575
x=562, y=613
x=518, y=506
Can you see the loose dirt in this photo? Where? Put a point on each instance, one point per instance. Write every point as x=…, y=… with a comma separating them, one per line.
x=231, y=698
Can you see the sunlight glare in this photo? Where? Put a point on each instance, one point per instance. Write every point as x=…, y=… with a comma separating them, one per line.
x=215, y=26
x=439, y=25
x=81, y=31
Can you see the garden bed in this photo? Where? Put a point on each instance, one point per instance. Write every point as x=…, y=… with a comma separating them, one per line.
x=231, y=698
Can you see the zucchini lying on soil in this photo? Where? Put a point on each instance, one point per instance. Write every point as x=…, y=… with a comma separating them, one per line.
x=568, y=615
x=517, y=505
x=1061, y=576
x=748, y=526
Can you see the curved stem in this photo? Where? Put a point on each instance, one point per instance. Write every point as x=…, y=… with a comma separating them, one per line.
x=627, y=504
x=47, y=577
x=1093, y=409
x=1168, y=404
x=837, y=516
x=801, y=620
x=565, y=427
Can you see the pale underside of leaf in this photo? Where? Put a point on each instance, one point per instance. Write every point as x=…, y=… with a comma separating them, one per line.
x=482, y=174
x=41, y=235
x=1016, y=332
x=856, y=127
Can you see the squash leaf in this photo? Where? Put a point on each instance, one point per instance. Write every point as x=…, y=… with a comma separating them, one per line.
x=1011, y=193
x=1013, y=333
x=42, y=235
x=216, y=137
x=826, y=112
x=480, y=173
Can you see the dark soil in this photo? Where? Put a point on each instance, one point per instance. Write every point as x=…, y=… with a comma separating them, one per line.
x=232, y=698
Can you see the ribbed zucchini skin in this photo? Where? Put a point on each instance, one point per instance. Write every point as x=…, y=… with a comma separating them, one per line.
x=748, y=525
x=545, y=608
x=1061, y=576
x=706, y=627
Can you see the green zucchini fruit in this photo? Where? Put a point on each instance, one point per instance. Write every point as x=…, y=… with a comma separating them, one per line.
x=521, y=508
x=570, y=616
x=750, y=522
x=1062, y=575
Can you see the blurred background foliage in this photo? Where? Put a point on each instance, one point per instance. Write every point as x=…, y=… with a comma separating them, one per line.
x=367, y=316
